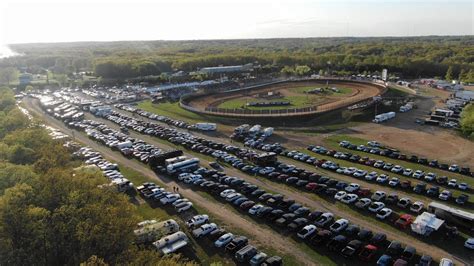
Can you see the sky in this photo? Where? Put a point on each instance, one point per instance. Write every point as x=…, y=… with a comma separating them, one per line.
x=105, y=20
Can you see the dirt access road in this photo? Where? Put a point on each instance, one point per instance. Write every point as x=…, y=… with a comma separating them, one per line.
x=257, y=233
x=308, y=199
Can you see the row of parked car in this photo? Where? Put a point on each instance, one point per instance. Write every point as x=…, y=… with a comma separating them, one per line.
x=395, y=182
x=418, y=174
x=155, y=193
x=108, y=169
x=316, y=228
x=374, y=147
x=252, y=206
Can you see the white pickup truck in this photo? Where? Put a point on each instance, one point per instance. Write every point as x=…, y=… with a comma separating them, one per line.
x=197, y=220
x=204, y=230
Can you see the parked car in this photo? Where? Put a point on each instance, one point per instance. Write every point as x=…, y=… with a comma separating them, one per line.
x=224, y=240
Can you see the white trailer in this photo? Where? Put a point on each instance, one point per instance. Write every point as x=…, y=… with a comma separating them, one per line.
x=175, y=160
x=384, y=117
x=123, y=145
x=182, y=166
x=206, y=126
x=152, y=230
x=171, y=243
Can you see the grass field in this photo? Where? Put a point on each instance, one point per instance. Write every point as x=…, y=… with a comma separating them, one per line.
x=299, y=99
x=341, y=92
x=296, y=101
x=171, y=110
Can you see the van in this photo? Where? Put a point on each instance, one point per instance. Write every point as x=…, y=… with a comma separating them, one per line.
x=245, y=253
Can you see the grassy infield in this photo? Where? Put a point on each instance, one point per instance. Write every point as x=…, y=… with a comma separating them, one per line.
x=297, y=101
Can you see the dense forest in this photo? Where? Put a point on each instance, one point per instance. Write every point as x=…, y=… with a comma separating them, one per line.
x=409, y=57
x=48, y=216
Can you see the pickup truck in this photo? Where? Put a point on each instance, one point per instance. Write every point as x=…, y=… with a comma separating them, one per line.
x=197, y=220
x=204, y=230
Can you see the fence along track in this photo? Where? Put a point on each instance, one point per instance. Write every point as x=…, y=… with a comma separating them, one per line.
x=290, y=112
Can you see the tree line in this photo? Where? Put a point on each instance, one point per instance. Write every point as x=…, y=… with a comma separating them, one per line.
x=410, y=57
x=51, y=213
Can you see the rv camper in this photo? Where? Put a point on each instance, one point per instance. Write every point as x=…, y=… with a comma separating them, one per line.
x=171, y=243
x=152, y=230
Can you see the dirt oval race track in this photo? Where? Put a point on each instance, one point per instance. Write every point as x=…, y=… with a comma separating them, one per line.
x=359, y=91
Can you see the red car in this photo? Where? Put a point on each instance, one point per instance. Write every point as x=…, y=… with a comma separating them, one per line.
x=364, y=192
x=368, y=252
x=311, y=186
x=404, y=221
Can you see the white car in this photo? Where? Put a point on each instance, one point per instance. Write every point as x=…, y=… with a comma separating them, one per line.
x=394, y=182
x=170, y=198
x=397, y=169
x=374, y=143
x=352, y=187
x=384, y=213
x=223, y=240
x=363, y=203
x=184, y=206
x=339, y=225
x=179, y=201
x=379, y=164
x=430, y=177
x=344, y=143
x=379, y=195
x=255, y=209
x=371, y=176
x=454, y=168
x=463, y=186
x=360, y=173
x=408, y=172
x=307, y=231
x=258, y=259
x=376, y=206
x=341, y=170
x=350, y=171
x=469, y=243
x=382, y=178
x=418, y=174
x=452, y=183
x=339, y=195
x=446, y=262
x=404, y=202
x=445, y=195
x=227, y=192
x=233, y=196
x=197, y=220
x=417, y=206
x=183, y=176
x=349, y=198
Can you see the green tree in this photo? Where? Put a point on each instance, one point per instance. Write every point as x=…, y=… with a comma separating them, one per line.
x=449, y=74
x=8, y=75
x=302, y=70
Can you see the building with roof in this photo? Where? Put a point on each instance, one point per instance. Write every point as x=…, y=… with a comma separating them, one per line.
x=226, y=69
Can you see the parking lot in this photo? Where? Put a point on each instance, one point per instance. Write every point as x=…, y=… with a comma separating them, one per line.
x=292, y=190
